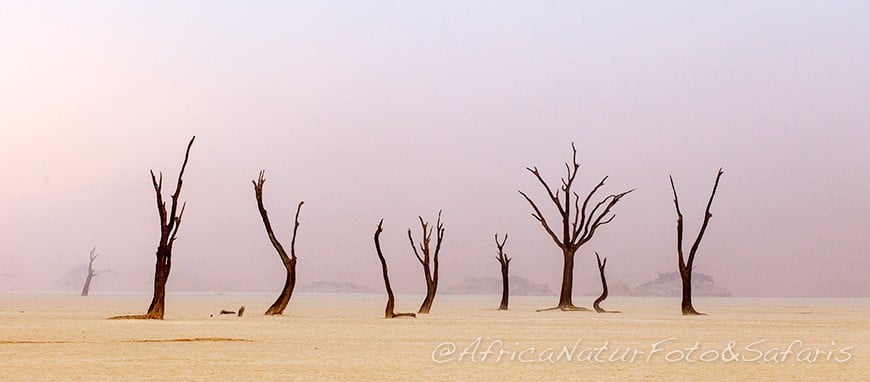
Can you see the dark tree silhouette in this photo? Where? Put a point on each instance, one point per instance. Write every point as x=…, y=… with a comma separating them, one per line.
x=598, y=308
x=429, y=263
x=686, y=264
x=391, y=300
x=289, y=262
x=505, y=264
x=170, y=221
x=91, y=273
x=579, y=224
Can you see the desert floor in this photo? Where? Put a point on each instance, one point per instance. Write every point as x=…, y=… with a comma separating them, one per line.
x=344, y=337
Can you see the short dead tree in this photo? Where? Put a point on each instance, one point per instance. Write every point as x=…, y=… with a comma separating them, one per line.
x=429, y=262
x=289, y=262
x=685, y=264
x=505, y=264
x=598, y=308
x=391, y=300
x=91, y=273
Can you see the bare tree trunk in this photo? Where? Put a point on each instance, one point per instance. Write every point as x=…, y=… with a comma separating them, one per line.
x=91, y=273
x=504, y=261
x=601, y=265
x=686, y=264
x=87, y=287
x=686, y=304
x=566, y=293
x=169, y=223
x=578, y=223
x=505, y=288
x=289, y=262
x=161, y=275
x=430, y=296
x=391, y=300
x=430, y=273
x=277, y=307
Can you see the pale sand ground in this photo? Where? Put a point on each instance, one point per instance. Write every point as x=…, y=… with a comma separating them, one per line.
x=343, y=337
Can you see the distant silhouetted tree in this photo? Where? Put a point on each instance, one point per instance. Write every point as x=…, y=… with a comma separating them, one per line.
x=429, y=263
x=289, y=262
x=91, y=273
x=601, y=265
x=578, y=223
x=505, y=264
x=685, y=264
x=391, y=300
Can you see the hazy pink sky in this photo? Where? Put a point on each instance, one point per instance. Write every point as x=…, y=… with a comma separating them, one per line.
x=386, y=109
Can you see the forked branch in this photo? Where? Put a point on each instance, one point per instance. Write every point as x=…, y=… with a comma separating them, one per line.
x=289, y=261
x=428, y=259
x=686, y=264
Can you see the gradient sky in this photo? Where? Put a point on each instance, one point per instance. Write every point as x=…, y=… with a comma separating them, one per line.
x=396, y=109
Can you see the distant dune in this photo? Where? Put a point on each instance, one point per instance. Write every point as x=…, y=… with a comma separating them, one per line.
x=491, y=285
x=669, y=285
x=333, y=287
x=614, y=288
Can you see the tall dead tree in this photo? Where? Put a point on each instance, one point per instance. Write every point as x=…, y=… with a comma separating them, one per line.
x=505, y=264
x=579, y=224
x=391, y=300
x=686, y=264
x=601, y=265
x=289, y=262
x=91, y=273
x=429, y=263
x=169, y=222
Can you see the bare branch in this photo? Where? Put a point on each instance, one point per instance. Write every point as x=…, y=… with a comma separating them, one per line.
x=582, y=211
x=554, y=196
x=540, y=218
x=679, y=227
x=173, y=220
x=592, y=226
x=161, y=206
x=295, y=229
x=707, y=216
x=414, y=247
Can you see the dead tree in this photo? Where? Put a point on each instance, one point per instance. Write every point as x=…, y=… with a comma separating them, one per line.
x=601, y=265
x=91, y=272
x=579, y=223
x=505, y=263
x=391, y=300
x=169, y=223
x=429, y=263
x=289, y=262
x=686, y=264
